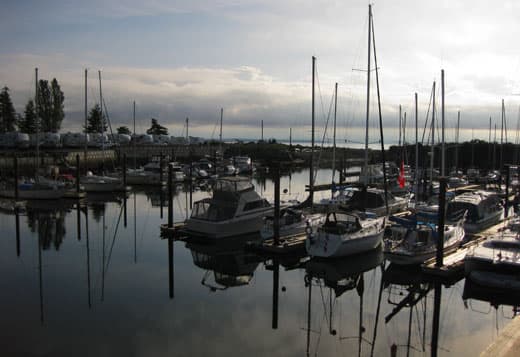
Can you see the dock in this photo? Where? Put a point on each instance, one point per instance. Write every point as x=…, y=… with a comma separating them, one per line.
x=176, y=231
x=453, y=263
x=507, y=344
x=287, y=245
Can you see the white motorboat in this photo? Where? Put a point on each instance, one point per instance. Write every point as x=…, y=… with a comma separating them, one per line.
x=234, y=209
x=345, y=234
x=413, y=240
x=97, y=183
x=495, y=262
x=292, y=222
x=484, y=209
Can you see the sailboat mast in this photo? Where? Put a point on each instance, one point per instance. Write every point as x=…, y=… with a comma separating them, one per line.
x=311, y=173
x=368, y=91
x=502, y=137
x=416, y=178
x=432, y=152
x=102, y=121
x=86, y=124
x=457, y=142
x=400, y=124
x=187, y=132
x=135, y=138
x=220, y=133
x=443, y=148
x=37, y=123
x=334, y=132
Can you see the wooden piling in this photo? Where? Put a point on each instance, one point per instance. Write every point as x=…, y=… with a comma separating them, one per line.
x=440, y=227
x=170, y=196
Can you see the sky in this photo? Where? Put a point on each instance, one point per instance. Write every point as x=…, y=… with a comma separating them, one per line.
x=188, y=59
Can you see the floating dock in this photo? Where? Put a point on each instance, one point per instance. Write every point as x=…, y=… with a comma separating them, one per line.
x=176, y=231
x=453, y=263
x=286, y=245
x=507, y=344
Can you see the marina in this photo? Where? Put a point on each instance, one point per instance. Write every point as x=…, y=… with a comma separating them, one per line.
x=115, y=260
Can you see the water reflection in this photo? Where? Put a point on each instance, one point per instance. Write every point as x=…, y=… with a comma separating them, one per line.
x=47, y=219
x=226, y=262
x=341, y=276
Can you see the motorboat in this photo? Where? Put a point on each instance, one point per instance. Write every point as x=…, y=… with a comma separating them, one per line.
x=413, y=240
x=101, y=183
x=33, y=190
x=495, y=262
x=484, y=209
x=292, y=222
x=234, y=209
x=345, y=234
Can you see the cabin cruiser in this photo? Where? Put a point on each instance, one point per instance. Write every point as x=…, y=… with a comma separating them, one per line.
x=484, y=209
x=292, y=222
x=495, y=262
x=345, y=234
x=413, y=240
x=234, y=209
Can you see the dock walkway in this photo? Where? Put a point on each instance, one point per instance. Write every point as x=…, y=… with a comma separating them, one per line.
x=507, y=344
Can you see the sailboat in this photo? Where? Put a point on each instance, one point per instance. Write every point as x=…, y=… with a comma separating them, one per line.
x=34, y=189
x=342, y=233
x=100, y=183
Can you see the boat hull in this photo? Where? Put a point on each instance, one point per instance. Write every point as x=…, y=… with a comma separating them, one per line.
x=241, y=225
x=334, y=245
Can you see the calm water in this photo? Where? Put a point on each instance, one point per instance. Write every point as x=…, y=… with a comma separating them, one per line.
x=104, y=290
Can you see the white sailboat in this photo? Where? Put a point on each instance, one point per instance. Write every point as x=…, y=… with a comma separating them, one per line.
x=100, y=183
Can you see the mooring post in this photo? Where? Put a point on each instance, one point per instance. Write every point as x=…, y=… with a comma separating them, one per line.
x=124, y=171
x=170, y=196
x=436, y=318
x=17, y=222
x=15, y=164
x=440, y=228
x=276, y=222
x=276, y=283
x=506, y=204
x=161, y=169
x=77, y=173
x=170, y=266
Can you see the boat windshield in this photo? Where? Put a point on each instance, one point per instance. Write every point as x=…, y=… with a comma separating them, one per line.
x=456, y=210
x=211, y=210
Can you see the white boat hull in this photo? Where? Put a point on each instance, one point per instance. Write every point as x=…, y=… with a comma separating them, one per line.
x=242, y=225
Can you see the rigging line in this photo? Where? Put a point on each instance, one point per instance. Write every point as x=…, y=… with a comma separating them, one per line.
x=113, y=240
x=323, y=137
x=427, y=116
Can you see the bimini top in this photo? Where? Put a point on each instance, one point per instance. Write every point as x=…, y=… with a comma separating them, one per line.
x=233, y=184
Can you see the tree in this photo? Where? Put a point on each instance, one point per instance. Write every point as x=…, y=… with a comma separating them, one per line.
x=57, y=106
x=44, y=105
x=95, y=122
x=7, y=112
x=123, y=130
x=157, y=129
x=50, y=105
x=27, y=123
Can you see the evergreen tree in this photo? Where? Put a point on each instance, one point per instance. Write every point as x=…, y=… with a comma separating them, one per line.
x=7, y=112
x=27, y=123
x=44, y=106
x=124, y=130
x=57, y=106
x=95, y=122
x=50, y=105
x=157, y=129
